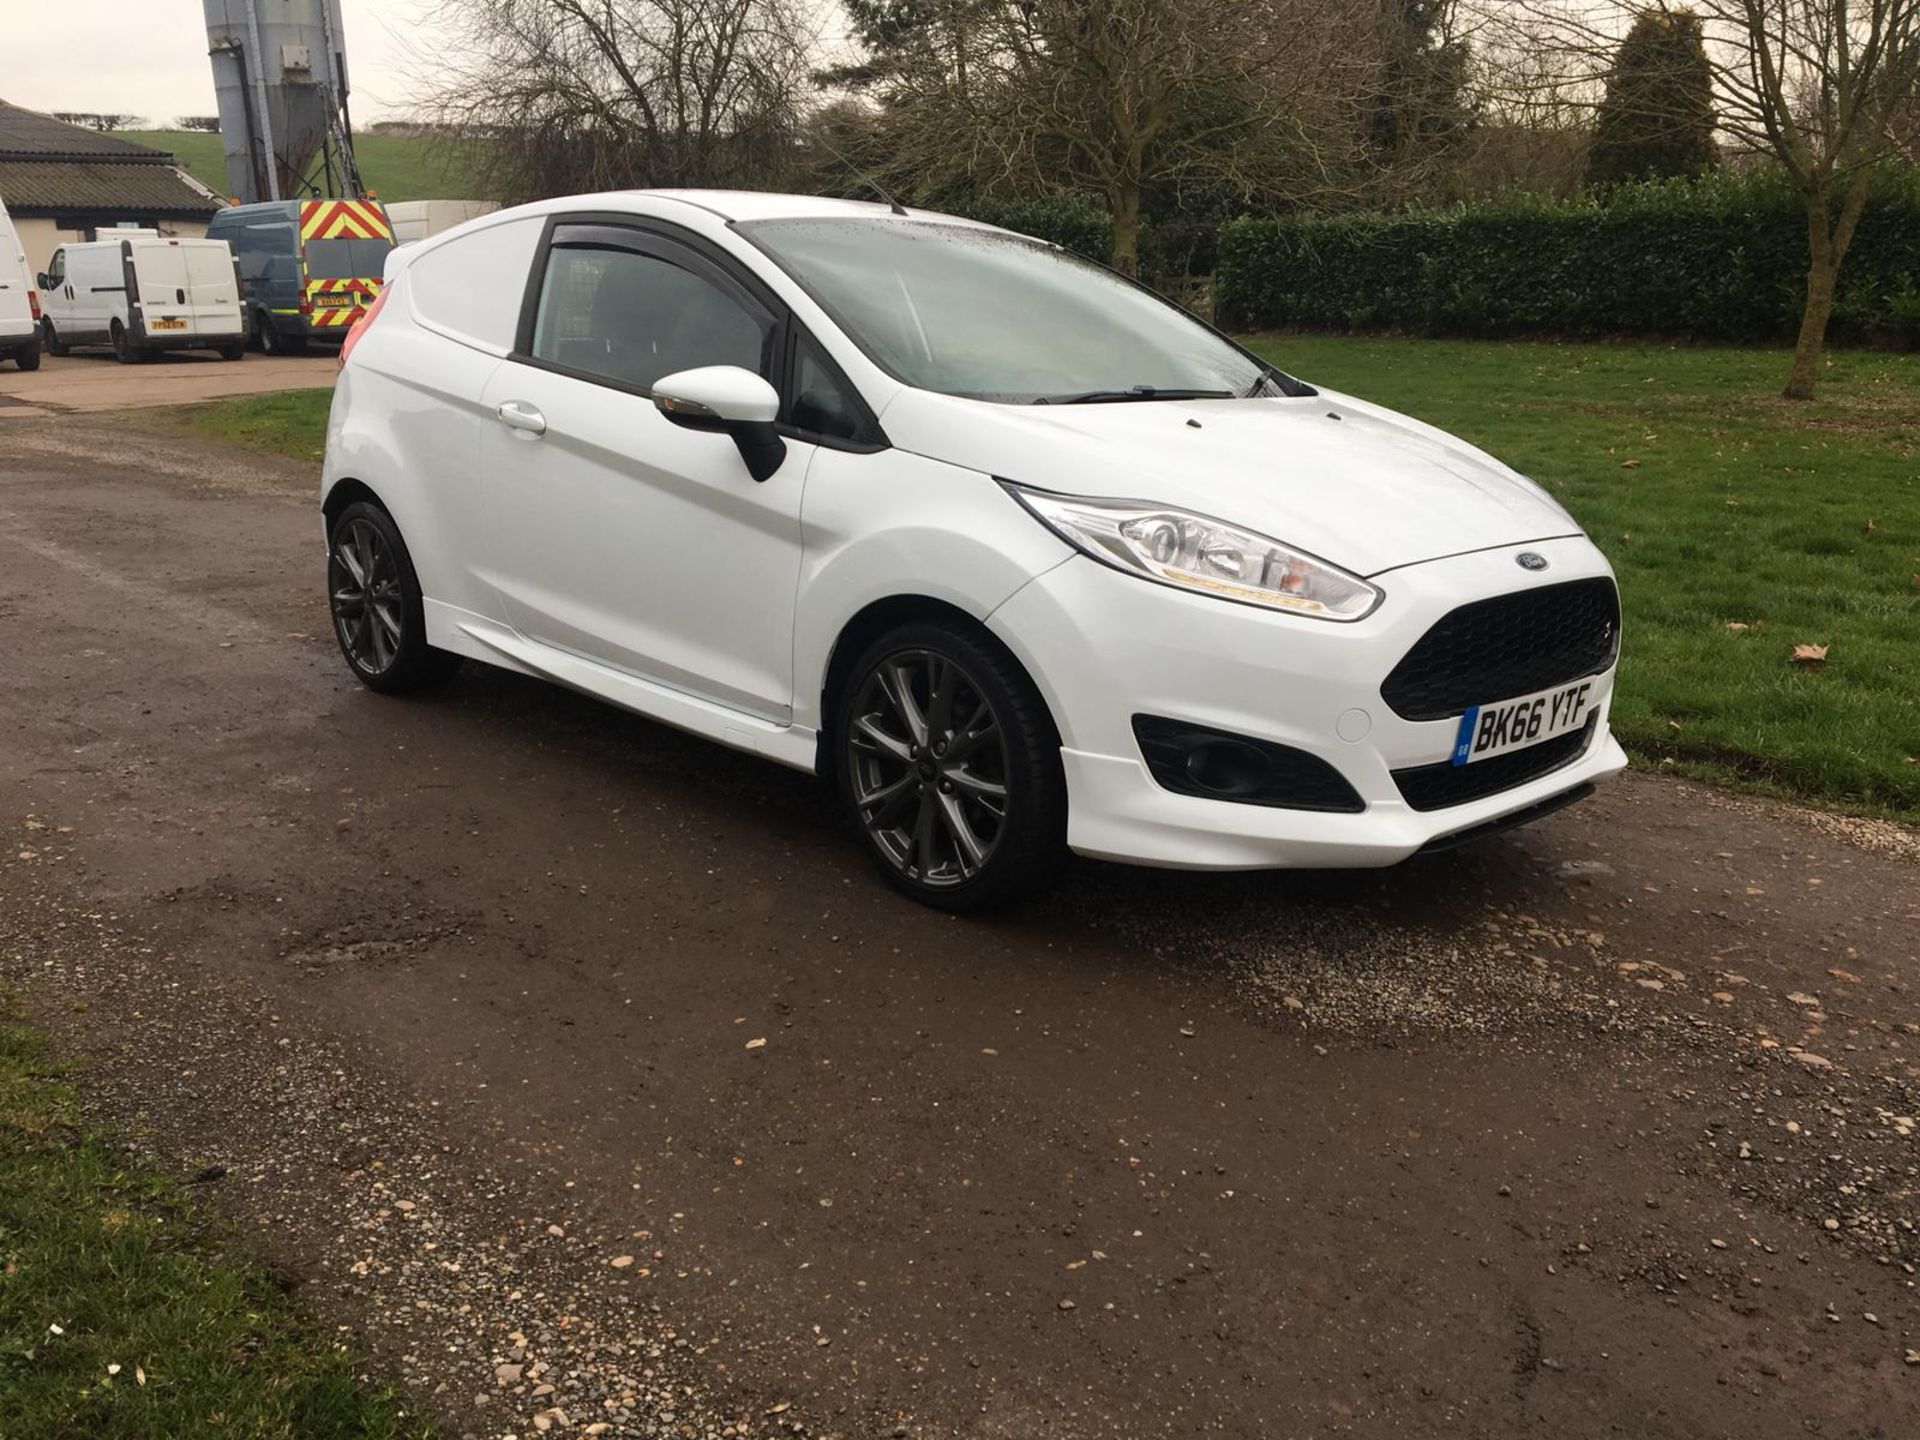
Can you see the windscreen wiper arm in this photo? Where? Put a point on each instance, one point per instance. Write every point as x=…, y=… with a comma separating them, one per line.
x=1137, y=392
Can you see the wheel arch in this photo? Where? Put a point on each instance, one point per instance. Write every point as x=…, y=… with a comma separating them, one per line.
x=867, y=625
x=343, y=492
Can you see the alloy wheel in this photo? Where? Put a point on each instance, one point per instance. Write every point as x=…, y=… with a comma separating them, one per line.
x=363, y=585
x=927, y=760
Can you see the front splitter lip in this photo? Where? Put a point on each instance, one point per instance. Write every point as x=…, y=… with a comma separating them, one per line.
x=1118, y=812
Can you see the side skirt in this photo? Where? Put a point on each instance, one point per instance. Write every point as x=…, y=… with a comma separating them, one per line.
x=478, y=638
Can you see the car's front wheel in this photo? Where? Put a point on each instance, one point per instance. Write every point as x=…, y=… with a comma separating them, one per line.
x=950, y=764
x=379, y=616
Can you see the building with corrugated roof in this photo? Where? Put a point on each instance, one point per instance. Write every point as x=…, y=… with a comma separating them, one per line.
x=63, y=183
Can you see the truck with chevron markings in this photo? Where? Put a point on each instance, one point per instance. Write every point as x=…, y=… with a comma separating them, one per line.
x=310, y=267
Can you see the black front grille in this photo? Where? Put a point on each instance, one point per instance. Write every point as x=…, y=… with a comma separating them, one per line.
x=1219, y=765
x=1435, y=787
x=1507, y=646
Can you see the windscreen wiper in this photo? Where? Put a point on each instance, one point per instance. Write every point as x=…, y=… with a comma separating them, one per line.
x=1137, y=392
x=1287, y=385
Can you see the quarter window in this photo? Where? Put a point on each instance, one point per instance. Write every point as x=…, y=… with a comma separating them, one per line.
x=631, y=318
x=821, y=403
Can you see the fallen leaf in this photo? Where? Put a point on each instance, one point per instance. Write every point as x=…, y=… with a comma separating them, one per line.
x=1737, y=626
x=1809, y=655
x=759, y=1044
x=621, y=1262
x=1846, y=975
x=1799, y=997
x=1629, y=464
x=1869, y=529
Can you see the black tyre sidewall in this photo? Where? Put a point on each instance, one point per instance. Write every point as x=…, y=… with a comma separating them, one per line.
x=1034, y=840
x=27, y=357
x=416, y=664
x=56, y=347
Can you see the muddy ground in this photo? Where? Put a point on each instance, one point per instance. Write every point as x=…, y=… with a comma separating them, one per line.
x=1601, y=1128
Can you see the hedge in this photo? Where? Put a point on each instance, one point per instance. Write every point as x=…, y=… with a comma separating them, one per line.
x=1720, y=258
x=1072, y=222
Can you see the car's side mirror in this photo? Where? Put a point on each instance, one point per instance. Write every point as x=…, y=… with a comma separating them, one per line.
x=729, y=401
x=43, y=281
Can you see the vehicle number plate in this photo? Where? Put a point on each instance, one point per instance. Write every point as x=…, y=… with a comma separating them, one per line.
x=331, y=301
x=167, y=322
x=1490, y=730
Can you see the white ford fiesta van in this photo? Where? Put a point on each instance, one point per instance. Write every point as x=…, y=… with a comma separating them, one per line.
x=1017, y=553
x=142, y=293
x=19, y=302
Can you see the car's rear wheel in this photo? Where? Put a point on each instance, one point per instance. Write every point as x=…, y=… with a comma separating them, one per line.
x=379, y=617
x=950, y=765
x=27, y=357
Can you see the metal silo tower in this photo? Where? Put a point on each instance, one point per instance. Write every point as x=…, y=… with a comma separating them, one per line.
x=280, y=71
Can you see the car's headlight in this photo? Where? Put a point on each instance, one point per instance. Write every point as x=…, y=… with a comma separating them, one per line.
x=1195, y=552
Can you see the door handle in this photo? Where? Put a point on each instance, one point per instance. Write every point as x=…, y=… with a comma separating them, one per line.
x=518, y=415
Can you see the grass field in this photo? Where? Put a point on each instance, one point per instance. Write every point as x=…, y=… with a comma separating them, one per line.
x=121, y=1318
x=1741, y=526
x=395, y=167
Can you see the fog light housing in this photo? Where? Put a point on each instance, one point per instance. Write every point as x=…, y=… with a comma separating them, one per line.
x=1219, y=765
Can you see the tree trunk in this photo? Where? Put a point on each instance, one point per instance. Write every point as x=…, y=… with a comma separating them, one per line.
x=1808, y=348
x=1828, y=239
x=1126, y=227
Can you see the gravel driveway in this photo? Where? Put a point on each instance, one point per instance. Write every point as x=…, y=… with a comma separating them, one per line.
x=585, y=1072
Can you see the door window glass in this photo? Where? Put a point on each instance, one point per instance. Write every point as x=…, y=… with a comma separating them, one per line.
x=57, y=269
x=633, y=318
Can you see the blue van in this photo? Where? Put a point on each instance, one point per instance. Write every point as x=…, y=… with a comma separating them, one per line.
x=311, y=267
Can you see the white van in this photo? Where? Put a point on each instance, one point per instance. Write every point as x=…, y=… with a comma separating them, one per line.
x=142, y=293
x=19, y=304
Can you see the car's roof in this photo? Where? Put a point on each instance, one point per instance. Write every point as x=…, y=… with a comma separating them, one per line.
x=747, y=205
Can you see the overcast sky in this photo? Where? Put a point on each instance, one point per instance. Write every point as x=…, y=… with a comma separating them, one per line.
x=149, y=57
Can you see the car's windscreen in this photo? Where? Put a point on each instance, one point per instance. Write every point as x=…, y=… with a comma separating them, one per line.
x=347, y=258
x=993, y=316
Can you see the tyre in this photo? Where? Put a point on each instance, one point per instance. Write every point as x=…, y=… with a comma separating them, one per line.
x=124, y=350
x=27, y=357
x=56, y=347
x=263, y=336
x=236, y=351
x=950, y=765
x=374, y=598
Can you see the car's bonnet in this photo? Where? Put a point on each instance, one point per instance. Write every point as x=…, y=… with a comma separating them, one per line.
x=1337, y=477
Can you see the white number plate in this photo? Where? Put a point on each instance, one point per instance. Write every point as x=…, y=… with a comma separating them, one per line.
x=1490, y=730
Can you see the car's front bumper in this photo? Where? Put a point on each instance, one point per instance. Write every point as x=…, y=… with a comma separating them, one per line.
x=1105, y=647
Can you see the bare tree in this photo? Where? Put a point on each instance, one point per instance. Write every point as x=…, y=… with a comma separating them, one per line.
x=101, y=121
x=1822, y=86
x=198, y=124
x=560, y=96
x=1116, y=97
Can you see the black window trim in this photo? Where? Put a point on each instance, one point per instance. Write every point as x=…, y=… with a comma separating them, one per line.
x=647, y=235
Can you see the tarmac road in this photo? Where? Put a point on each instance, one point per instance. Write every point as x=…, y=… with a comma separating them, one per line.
x=1601, y=1128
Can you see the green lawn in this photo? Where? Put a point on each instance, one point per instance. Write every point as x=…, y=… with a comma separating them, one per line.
x=1719, y=504
x=292, y=423
x=121, y=1318
x=395, y=167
